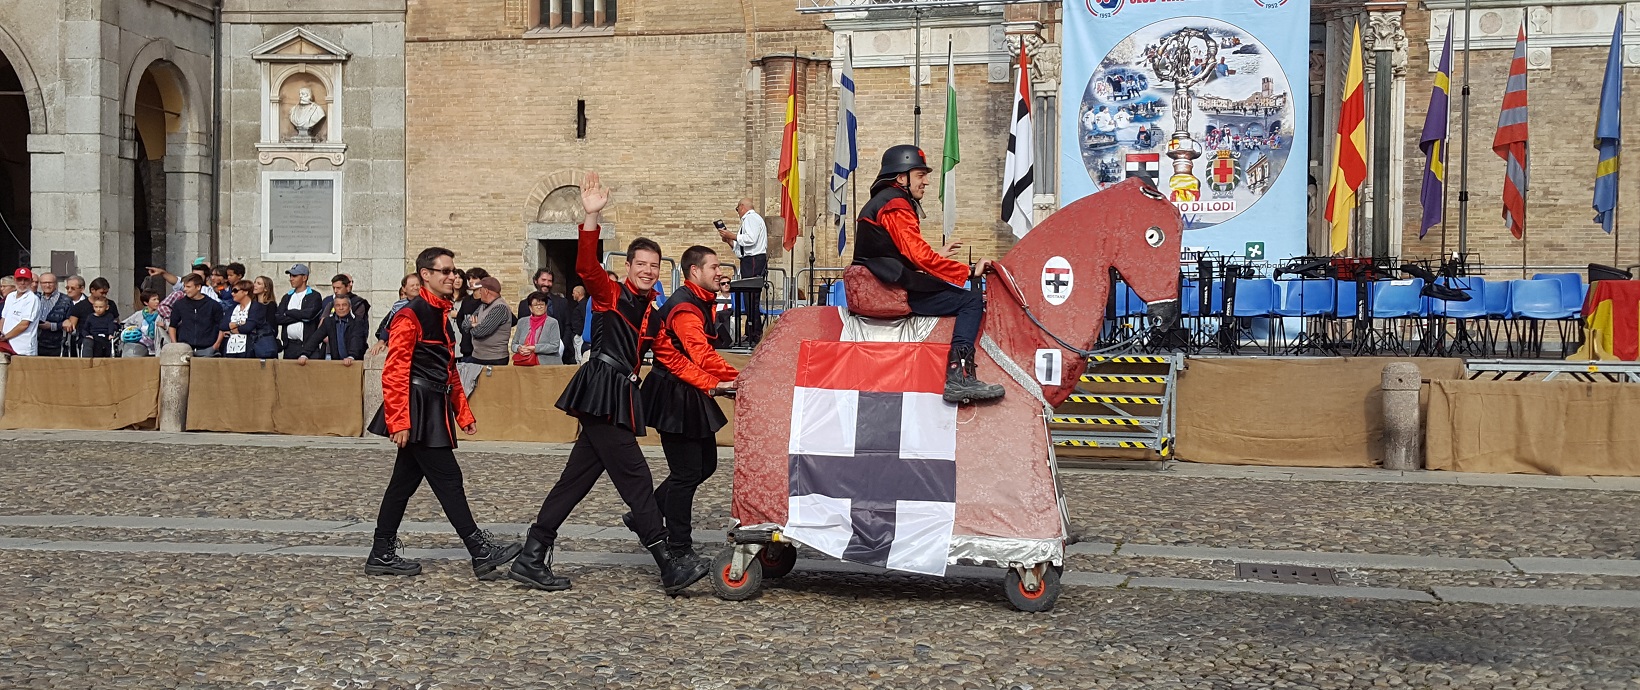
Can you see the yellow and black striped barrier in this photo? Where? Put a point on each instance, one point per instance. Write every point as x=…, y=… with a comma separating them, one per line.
x=1123, y=378
x=1085, y=443
x=1129, y=359
x=1104, y=421
x=1117, y=399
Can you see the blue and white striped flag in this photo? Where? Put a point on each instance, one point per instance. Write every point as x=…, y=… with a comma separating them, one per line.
x=846, y=153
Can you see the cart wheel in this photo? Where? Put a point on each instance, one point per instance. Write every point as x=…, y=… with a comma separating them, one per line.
x=777, y=560
x=1032, y=602
x=736, y=590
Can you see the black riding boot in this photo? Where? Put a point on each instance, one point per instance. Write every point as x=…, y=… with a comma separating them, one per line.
x=384, y=559
x=489, y=554
x=676, y=573
x=683, y=550
x=534, y=567
x=960, y=384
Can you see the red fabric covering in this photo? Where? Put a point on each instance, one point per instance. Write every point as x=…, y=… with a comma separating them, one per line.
x=880, y=367
x=868, y=296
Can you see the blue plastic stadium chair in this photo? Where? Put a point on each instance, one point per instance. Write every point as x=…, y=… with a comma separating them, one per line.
x=1215, y=299
x=1344, y=299
x=1498, y=297
x=1571, y=286
x=1397, y=299
x=1255, y=297
x=1190, y=298
x=1128, y=302
x=1304, y=297
x=1475, y=308
x=838, y=296
x=1540, y=299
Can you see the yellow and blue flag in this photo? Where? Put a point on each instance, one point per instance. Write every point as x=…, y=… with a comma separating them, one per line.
x=1608, y=133
x=1433, y=143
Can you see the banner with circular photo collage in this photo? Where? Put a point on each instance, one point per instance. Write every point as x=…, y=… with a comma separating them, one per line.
x=1207, y=99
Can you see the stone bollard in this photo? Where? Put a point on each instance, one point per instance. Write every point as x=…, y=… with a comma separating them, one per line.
x=1403, y=434
x=373, y=364
x=5, y=363
x=173, y=385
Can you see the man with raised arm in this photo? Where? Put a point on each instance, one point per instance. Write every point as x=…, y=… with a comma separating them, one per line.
x=604, y=397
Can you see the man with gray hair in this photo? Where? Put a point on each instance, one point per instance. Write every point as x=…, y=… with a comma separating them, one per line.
x=751, y=245
x=54, y=308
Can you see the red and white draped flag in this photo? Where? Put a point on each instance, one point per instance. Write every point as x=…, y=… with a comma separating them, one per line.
x=872, y=454
x=1510, y=141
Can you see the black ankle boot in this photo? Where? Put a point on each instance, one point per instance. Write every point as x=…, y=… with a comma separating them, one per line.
x=961, y=386
x=676, y=573
x=384, y=559
x=489, y=554
x=534, y=567
x=682, y=550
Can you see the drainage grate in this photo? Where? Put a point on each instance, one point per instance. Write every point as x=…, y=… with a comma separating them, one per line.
x=1273, y=572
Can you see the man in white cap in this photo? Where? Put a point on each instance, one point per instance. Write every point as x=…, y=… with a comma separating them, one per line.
x=298, y=313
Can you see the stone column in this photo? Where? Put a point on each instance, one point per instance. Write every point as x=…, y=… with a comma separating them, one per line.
x=5, y=362
x=1383, y=32
x=373, y=364
x=1403, y=432
x=173, y=385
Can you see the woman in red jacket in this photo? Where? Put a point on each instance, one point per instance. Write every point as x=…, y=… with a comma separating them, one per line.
x=677, y=393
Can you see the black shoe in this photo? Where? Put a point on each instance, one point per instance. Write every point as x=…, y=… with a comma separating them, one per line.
x=534, y=567
x=961, y=386
x=489, y=554
x=676, y=573
x=626, y=519
x=384, y=559
x=683, y=550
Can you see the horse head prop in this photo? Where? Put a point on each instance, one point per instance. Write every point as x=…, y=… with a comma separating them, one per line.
x=1049, y=293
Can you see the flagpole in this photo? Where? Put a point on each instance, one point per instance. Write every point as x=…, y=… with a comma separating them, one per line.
x=1463, y=166
x=916, y=80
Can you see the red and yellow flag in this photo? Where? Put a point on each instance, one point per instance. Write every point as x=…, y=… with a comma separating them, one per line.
x=1349, y=168
x=788, y=165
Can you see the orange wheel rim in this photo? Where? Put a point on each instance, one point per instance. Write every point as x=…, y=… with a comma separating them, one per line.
x=1028, y=594
x=732, y=581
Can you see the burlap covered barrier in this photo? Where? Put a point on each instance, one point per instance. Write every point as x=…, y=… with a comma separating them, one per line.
x=1533, y=427
x=1309, y=412
x=91, y=394
x=275, y=396
x=518, y=404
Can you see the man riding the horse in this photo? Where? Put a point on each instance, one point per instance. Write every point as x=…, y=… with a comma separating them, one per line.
x=889, y=242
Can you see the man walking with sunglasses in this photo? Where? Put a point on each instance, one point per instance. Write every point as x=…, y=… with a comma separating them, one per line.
x=422, y=405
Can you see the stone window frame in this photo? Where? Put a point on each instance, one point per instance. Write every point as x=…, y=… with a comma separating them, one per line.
x=265, y=203
x=545, y=19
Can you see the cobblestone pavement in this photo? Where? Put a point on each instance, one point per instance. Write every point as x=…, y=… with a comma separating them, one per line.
x=269, y=483
x=74, y=619
x=148, y=621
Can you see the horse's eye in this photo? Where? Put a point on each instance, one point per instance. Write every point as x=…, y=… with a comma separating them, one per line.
x=1151, y=192
x=1154, y=236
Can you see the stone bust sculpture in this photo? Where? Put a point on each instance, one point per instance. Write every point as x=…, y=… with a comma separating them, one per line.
x=305, y=115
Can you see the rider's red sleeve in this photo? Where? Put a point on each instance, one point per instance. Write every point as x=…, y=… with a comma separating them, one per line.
x=900, y=220
x=600, y=288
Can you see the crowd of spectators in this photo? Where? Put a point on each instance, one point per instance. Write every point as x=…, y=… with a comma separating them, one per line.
x=218, y=311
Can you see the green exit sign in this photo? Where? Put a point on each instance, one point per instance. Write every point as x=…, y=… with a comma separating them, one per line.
x=1255, y=250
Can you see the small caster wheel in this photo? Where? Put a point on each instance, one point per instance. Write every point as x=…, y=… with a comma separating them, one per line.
x=777, y=560
x=1047, y=592
x=736, y=590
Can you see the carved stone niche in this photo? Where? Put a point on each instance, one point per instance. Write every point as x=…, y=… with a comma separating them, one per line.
x=301, y=112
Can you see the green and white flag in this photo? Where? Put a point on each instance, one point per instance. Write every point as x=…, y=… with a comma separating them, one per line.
x=952, y=156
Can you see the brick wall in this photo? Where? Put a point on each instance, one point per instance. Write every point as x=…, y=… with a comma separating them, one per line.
x=1564, y=100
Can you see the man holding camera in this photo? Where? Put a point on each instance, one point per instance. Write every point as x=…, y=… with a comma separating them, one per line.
x=751, y=246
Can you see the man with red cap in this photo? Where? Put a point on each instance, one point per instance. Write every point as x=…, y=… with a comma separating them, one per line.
x=21, y=316
x=889, y=242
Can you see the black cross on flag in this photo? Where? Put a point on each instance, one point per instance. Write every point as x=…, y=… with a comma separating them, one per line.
x=872, y=454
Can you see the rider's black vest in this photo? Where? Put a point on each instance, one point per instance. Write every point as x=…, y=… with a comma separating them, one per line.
x=874, y=247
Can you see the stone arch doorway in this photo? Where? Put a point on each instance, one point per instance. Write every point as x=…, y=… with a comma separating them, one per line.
x=165, y=185
x=15, y=215
x=552, y=216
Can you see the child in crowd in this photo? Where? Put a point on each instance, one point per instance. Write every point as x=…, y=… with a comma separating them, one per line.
x=101, y=330
x=144, y=333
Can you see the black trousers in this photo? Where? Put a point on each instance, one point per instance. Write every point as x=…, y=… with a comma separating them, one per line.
x=967, y=305
x=439, y=467
x=602, y=447
x=690, y=462
x=754, y=266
